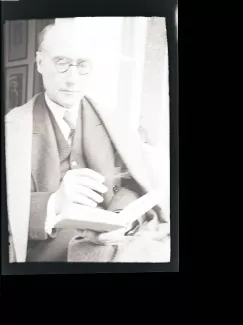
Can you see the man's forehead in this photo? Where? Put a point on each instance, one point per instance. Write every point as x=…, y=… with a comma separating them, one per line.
x=68, y=42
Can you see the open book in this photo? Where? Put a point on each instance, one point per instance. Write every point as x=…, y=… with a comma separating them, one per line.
x=82, y=217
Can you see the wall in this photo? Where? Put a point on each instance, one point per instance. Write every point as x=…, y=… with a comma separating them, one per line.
x=15, y=67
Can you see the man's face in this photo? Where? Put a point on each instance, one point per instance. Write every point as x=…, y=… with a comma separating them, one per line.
x=61, y=48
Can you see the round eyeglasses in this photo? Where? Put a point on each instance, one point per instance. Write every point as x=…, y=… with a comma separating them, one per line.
x=63, y=65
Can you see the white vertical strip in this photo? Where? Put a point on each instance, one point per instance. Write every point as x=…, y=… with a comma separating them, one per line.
x=163, y=148
x=139, y=45
x=159, y=153
x=126, y=68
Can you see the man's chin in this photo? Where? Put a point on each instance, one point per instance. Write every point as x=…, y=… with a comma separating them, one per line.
x=69, y=101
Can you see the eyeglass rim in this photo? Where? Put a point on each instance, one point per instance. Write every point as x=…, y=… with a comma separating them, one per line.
x=69, y=64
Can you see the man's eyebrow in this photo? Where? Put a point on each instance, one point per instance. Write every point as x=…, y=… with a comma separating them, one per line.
x=83, y=60
x=79, y=60
x=59, y=57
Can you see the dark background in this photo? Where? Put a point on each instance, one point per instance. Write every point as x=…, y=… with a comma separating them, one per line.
x=46, y=10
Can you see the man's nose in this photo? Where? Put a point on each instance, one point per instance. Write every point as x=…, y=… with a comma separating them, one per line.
x=72, y=74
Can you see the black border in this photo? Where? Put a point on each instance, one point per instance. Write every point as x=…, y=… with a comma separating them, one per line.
x=26, y=83
x=47, y=9
x=38, y=10
x=26, y=45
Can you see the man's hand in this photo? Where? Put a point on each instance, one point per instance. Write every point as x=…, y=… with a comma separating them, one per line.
x=114, y=237
x=80, y=186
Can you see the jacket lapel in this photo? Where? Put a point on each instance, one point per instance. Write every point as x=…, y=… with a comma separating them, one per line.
x=126, y=142
x=45, y=155
x=97, y=148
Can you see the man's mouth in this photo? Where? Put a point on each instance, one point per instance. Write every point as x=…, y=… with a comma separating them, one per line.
x=70, y=91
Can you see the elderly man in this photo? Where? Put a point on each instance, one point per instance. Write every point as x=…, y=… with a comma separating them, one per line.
x=61, y=148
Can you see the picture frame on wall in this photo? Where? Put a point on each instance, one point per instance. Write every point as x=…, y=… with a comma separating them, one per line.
x=18, y=40
x=15, y=86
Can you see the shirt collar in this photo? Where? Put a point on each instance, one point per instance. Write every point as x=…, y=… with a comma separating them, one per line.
x=58, y=110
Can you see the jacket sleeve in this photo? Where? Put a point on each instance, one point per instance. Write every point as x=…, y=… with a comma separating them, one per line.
x=38, y=214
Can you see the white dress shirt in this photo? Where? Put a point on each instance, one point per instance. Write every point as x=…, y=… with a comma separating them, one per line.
x=58, y=113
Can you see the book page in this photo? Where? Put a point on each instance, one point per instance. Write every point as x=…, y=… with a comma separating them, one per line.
x=139, y=207
x=82, y=217
x=89, y=224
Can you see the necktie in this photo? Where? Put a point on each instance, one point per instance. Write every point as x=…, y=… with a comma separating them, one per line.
x=67, y=118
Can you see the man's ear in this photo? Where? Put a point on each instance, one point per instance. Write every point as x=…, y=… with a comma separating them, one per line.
x=39, y=62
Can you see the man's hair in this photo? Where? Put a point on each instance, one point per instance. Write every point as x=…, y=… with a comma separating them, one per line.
x=42, y=34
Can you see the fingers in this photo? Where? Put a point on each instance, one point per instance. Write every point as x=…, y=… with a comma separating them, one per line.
x=81, y=199
x=109, y=238
x=86, y=172
x=89, y=234
x=112, y=237
x=91, y=184
x=80, y=189
x=86, y=177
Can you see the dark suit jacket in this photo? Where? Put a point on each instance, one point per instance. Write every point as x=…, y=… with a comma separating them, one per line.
x=100, y=155
x=142, y=161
